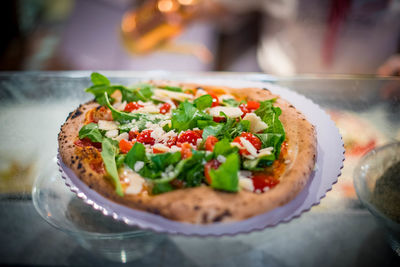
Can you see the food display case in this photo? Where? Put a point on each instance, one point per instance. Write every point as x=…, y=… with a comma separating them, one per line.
x=44, y=223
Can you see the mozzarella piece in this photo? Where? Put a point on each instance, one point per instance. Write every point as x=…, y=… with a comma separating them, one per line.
x=112, y=133
x=136, y=181
x=107, y=125
x=248, y=146
x=164, y=95
x=200, y=92
x=256, y=124
x=231, y=112
x=120, y=105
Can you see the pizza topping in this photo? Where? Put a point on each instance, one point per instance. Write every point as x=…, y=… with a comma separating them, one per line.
x=165, y=108
x=193, y=137
x=125, y=146
x=107, y=125
x=131, y=106
x=263, y=182
x=210, y=143
x=188, y=136
x=256, y=124
x=230, y=112
x=135, y=181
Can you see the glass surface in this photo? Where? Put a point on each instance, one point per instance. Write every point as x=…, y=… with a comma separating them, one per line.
x=378, y=191
x=33, y=105
x=100, y=234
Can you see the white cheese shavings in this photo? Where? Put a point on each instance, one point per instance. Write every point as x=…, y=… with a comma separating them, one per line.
x=166, y=94
x=138, y=166
x=231, y=112
x=265, y=151
x=198, y=142
x=221, y=158
x=122, y=136
x=107, y=125
x=135, y=181
x=248, y=146
x=256, y=124
x=246, y=184
x=235, y=144
x=112, y=133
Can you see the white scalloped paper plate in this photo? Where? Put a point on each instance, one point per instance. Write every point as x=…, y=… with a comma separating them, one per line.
x=330, y=157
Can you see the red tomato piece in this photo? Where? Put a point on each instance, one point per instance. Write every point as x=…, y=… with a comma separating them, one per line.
x=172, y=141
x=212, y=164
x=145, y=137
x=251, y=138
x=132, y=106
x=219, y=119
x=210, y=142
x=186, y=151
x=188, y=136
x=165, y=108
x=157, y=151
x=249, y=107
x=215, y=100
x=253, y=105
x=262, y=180
x=87, y=142
x=133, y=135
x=125, y=146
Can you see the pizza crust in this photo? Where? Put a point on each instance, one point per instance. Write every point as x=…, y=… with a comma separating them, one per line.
x=204, y=205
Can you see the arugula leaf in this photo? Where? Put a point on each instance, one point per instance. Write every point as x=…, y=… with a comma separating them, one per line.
x=108, y=153
x=119, y=160
x=162, y=161
x=230, y=102
x=203, y=102
x=121, y=116
x=224, y=148
x=270, y=115
x=258, y=164
x=192, y=171
x=186, y=117
x=137, y=153
x=226, y=176
x=229, y=130
x=172, y=88
x=272, y=140
x=92, y=132
x=162, y=188
x=99, y=79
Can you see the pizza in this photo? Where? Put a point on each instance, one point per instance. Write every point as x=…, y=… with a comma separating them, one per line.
x=192, y=153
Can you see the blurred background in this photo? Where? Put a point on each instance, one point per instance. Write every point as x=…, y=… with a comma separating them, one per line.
x=280, y=37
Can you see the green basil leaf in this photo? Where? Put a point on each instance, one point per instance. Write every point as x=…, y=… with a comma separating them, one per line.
x=224, y=148
x=137, y=153
x=203, y=102
x=186, y=117
x=226, y=176
x=99, y=79
x=108, y=153
x=162, y=188
x=92, y=132
x=163, y=160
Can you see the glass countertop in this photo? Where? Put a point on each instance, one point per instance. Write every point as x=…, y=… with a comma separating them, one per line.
x=339, y=231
